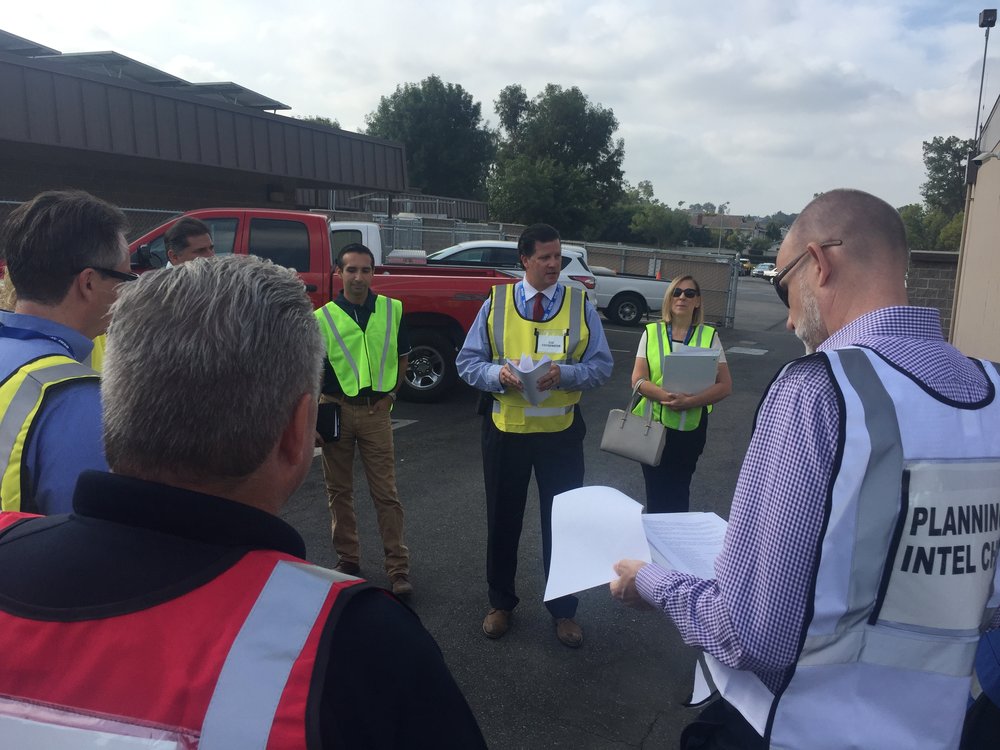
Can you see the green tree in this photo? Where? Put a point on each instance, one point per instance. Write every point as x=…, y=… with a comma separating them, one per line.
x=320, y=120
x=449, y=148
x=950, y=236
x=570, y=141
x=699, y=237
x=931, y=229
x=913, y=216
x=758, y=246
x=944, y=159
x=660, y=225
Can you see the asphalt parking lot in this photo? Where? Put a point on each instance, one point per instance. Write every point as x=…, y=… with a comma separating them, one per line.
x=626, y=685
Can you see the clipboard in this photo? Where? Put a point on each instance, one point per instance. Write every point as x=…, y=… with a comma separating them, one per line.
x=328, y=421
x=690, y=371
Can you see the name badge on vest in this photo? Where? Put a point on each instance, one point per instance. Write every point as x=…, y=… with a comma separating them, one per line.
x=946, y=553
x=551, y=341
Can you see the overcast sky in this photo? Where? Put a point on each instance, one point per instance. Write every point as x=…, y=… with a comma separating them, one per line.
x=760, y=103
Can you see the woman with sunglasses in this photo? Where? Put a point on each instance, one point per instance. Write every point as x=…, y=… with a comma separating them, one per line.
x=685, y=415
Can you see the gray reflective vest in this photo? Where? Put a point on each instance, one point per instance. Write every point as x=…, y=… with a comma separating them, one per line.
x=906, y=574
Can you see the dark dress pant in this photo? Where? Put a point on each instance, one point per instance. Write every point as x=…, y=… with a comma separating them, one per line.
x=720, y=727
x=668, y=486
x=508, y=460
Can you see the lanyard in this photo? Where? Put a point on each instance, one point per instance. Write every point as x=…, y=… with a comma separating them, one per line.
x=548, y=307
x=26, y=334
x=670, y=336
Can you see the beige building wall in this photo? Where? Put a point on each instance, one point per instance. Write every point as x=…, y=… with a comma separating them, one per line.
x=976, y=321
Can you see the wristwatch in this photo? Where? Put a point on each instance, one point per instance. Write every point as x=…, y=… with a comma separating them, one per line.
x=392, y=395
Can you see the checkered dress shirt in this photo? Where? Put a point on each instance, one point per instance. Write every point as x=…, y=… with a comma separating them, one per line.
x=751, y=616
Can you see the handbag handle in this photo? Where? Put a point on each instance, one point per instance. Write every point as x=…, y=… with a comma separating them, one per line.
x=647, y=412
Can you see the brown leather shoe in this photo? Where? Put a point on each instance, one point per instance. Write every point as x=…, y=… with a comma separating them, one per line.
x=348, y=568
x=497, y=623
x=401, y=585
x=568, y=632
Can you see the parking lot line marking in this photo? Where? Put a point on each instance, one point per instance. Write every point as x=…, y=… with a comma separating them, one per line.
x=745, y=350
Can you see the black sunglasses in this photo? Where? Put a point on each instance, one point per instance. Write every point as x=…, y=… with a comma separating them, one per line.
x=111, y=273
x=689, y=293
x=780, y=275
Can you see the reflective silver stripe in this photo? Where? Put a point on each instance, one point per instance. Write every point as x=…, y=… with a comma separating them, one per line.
x=27, y=396
x=576, y=299
x=343, y=346
x=499, y=306
x=977, y=687
x=243, y=705
x=877, y=503
x=660, y=330
x=539, y=411
x=385, y=345
x=701, y=337
x=880, y=645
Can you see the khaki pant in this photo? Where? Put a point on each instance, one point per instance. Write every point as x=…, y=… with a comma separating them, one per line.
x=371, y=431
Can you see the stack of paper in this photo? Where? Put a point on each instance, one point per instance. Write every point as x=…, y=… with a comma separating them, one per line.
x=686, y=542
x=595, y=527
x=528, y=372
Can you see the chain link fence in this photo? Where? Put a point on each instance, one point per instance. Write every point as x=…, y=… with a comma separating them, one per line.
x=140, y=220
x=717, y=273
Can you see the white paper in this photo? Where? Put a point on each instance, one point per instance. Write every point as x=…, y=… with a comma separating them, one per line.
x=529, y=372
x=688, y=542
x=592, y=529
x=690, y=370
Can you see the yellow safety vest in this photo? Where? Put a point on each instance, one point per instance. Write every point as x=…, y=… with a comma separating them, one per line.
x=21, y=397
x=363, y=359
x=563, y=339
x=658, y=346
x=96, y=359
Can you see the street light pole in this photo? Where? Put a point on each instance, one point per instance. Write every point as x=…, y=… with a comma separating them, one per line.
x=987, y=20
x=721, y=214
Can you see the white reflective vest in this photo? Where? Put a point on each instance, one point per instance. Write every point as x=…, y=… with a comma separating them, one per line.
x=906, y=573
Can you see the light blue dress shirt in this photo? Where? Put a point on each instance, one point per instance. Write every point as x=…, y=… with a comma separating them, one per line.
x=66, y=435
x=475, y=359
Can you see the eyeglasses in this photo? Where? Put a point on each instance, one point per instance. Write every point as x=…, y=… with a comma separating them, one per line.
x=111, y=273
x=780, y=275
x=689, y=293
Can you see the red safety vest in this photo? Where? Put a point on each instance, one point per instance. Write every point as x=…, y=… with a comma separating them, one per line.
x=227, y=665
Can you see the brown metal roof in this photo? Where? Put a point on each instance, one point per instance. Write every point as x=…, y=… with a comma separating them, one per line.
x=50, y=102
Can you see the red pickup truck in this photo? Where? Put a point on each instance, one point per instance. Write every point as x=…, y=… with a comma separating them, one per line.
x=439, y=303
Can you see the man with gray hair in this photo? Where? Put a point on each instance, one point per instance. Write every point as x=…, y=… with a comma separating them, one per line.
x=66, y=256
x=859, y=564
x=173, y=604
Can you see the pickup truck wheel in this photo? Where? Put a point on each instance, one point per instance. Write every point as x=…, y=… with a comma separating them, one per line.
x=626, y=309
x=431, y=372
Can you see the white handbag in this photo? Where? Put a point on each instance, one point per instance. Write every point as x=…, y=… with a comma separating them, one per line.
x=629, y=435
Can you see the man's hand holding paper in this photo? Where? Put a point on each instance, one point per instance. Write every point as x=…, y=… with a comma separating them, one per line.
x=623, y=588
x=532, y=378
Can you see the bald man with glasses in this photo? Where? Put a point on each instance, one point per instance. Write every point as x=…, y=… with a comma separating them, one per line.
x=66, y=256
x=849, y=593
